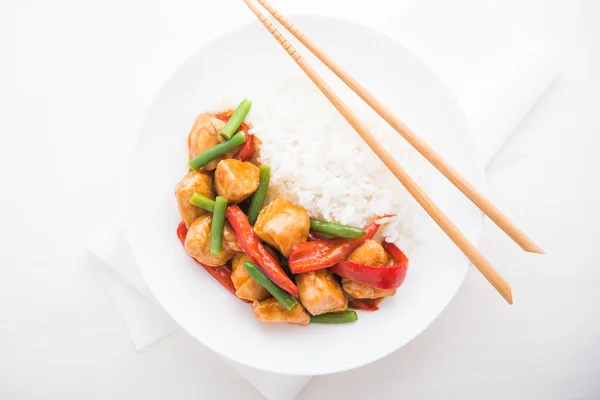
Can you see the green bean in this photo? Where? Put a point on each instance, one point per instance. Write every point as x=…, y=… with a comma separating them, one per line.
x=334, y=318
x=217, y=151
x=202, y=201
x=258, y=199
x=236, y=119
x=218, y=224
x=336, y=230
x=281, y=295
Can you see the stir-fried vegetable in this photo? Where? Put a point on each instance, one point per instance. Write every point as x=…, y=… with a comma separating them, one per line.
x=236, y=119
x=334, y=318
x=202, y=201
x=397, y=255
x=378, y=277
x=221, y=274
x=281, y=295
x=258, y=199
x=311, y=256
x=336, y=230
x=218, y=224
x=217, y=151
x=251, y=245
x=247, y=149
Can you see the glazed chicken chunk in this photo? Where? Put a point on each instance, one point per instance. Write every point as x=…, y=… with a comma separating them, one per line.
x=320, y=293
x=236, y=180
x=193, y=182
x=206, y=134
x=245, y=286
x=271, y=310
x=197, y=242
x=370, y=253
x=283, y=225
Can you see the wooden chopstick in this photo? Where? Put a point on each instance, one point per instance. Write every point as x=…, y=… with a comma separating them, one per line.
x=468, y=249
x=430, y=154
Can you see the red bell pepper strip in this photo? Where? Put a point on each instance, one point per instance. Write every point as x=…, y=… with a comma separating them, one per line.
x=379, y=277
x=222, y=273
x=247, y=148
x=182, y=231
x=364, y=304
x=319, y=254
x=397, y=255
x=252, y=246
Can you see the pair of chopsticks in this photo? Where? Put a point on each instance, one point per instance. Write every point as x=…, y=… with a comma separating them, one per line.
x=459, y=239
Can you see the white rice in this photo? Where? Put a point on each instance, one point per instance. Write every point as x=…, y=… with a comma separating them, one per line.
x=319, y=162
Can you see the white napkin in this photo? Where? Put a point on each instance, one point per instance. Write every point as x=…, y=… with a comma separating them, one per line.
x=497, y=75
x=144, y=319
x=495, y=71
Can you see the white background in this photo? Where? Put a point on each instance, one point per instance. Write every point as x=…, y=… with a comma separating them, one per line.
x=75, y=79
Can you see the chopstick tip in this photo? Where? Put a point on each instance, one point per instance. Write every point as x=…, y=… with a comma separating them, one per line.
x=534, y=248
x=508, y=296
x=504, y=290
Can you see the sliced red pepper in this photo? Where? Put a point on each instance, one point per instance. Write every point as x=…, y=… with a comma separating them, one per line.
x=182, y=231
x=248, y=148
x=252, y=246
x=379, y=277
x=364, y=304
x=397, y=254
x=319, y=254
x=222, y=273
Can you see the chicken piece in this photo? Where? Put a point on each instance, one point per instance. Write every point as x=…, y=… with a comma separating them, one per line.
x=197, y=242
x=362, y=291
x=193, y=182
x=230, y=239
x=370, y=253
x=271, y=310
x=245, y=285
x=236, y=180
x=320, y=293
x=283, y=225
x=206, y=134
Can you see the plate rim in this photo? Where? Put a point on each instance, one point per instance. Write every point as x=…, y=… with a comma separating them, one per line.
x=240, y=27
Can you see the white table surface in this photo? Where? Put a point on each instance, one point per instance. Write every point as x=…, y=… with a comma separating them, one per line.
x=76, y=78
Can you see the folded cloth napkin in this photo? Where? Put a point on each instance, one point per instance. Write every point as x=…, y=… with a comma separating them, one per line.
x=497, y=75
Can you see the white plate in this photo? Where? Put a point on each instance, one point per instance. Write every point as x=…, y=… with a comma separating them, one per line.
x=198, y=303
